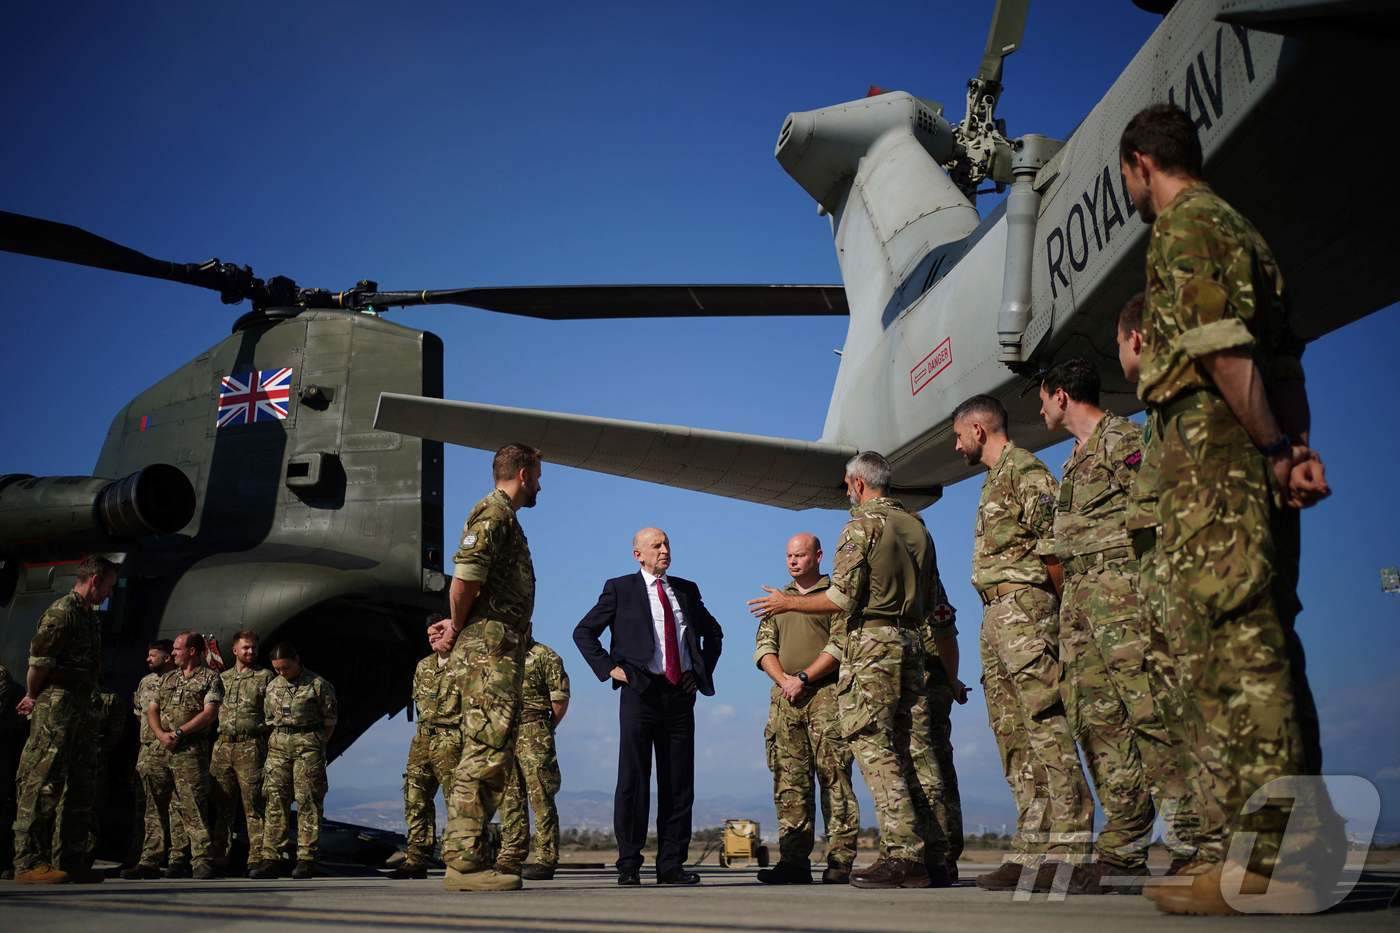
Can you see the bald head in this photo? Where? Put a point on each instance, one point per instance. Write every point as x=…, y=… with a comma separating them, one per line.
x=652, y=549
x=804, y=558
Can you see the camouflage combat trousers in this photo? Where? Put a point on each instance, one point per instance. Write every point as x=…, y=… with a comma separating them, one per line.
x=947, y=809
x=10, y=748
x=489, y=662
x=1021, y=674
x=236, y=778
x=1162, y=751
x=161, y=828
x=1103, y=648
x=432, y=756
x=883, y=708
x=189, y=778
x=803, y=741
x=1228, y=571
x=54, y=787
x=535, y=779
x=295, y=769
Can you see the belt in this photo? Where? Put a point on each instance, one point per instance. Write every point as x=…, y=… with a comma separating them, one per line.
x=242, y=736
x=1083, y=562
x=293, y=730
x=878, y=622
x=992, y=593
x=438, y=730
x=1190, y=400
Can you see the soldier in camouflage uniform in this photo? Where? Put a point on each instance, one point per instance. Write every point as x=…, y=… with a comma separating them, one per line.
x=1163, y=761
x=12, y=728
x=544, y=701
x=110, y=715
x=1020, y=642
x=240, y=752
x=944, y=689
x=885, y=583
x=433, y=754
x=182, y=717
x=300, y=711
x=54, y=782
x=1103, y=634
x=803, y=737
x=156, y=825
x=492, y=598
x=1222, y=378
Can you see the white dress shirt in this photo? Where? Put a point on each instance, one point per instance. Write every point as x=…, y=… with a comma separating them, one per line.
x=658, y=624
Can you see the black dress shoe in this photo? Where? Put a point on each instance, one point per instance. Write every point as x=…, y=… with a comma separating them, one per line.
x=628, y=878
x=679, y=876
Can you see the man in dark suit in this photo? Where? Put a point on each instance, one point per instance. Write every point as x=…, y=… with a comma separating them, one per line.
x=664, y=647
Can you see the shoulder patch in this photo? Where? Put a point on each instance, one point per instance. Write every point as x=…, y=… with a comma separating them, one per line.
x=468, y=540
x=1133, y=460
x=1046, y=500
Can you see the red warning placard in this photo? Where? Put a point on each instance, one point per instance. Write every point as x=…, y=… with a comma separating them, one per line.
x=930, y=366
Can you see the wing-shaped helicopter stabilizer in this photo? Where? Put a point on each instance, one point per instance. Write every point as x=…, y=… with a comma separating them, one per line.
x=779, y=471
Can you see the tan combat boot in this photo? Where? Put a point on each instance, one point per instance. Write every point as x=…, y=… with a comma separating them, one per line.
x=483, y=879
x=42, y=874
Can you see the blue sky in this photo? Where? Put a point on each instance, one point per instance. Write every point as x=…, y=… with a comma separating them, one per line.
x=444, y=145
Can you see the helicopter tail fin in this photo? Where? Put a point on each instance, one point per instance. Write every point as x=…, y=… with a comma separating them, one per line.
x=779, y=471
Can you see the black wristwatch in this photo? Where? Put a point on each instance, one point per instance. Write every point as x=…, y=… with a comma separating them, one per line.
x=1278, y=448
x=802, y=676
x=179, y=734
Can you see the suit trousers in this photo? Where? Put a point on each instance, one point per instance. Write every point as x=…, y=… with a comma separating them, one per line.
x=659, y=719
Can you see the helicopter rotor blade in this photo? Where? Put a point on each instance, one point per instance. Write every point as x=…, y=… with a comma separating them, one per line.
x=586, y=302
x=1003, y=38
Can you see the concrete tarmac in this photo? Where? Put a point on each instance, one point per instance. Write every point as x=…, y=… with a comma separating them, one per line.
x=590, y=900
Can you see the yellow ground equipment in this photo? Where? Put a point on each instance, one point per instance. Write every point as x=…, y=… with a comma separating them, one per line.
x=743, y=845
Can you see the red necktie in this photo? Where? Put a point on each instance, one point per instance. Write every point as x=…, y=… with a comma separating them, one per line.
x=673, y=651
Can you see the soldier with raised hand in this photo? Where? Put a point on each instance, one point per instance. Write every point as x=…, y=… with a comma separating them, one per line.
x=1222, y=377
x=54, y=782
x=300, y=710
x=236, y=765
x=544, y=701
x=156, y=825
x=492, y=598
x=182, y=718
x=885, y=583
x=1104, y=638
x=1020, y=646
x=434, y=751
x=803, y=737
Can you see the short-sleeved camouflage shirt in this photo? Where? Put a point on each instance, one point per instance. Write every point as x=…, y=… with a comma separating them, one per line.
x=1092, y=503
x=798, y=637
x=1212, y=285
x=306, y=701
x=1016, y=511
x=545, y=682
x=68, y=641
x=181, y=698
x=241, y=713
x=495, y=553
x=436, y=694
x=147, y=692
x=886, y=568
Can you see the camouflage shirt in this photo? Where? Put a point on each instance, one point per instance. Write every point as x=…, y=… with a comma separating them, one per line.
x=494, y=552
x=1016, y=511
x=147, y=692
x=546, y=682
x=182, y=698
x=1142, y=495
x=309, y=700
x=796, y=638
x=1212, y=285
x=68, y=642
x=436, y=694
x=886, y=568
x=1094, y=493
x=241, y=713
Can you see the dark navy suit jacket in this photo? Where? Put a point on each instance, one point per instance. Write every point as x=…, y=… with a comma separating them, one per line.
x=625, y=609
